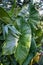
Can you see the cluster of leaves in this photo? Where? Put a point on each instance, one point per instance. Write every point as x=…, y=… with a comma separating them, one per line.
x=20, y=35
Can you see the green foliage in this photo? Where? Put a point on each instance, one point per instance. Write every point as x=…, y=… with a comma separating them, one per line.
x=24, y=44
x=18, y=37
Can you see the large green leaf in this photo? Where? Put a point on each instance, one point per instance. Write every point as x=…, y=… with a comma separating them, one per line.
x=32, y=53
x=7, y=29
x=33, y=15
x=24, y=43
x=11, y=35
x=9, y=45
x=4, y=16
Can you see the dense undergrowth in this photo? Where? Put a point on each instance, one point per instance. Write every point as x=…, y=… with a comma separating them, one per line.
x=21, y=35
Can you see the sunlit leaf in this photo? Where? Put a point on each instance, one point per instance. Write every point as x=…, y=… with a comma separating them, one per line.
x=9, y=45
x=23, y=44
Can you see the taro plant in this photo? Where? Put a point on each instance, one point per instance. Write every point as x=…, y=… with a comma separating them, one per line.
x=20, y=35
